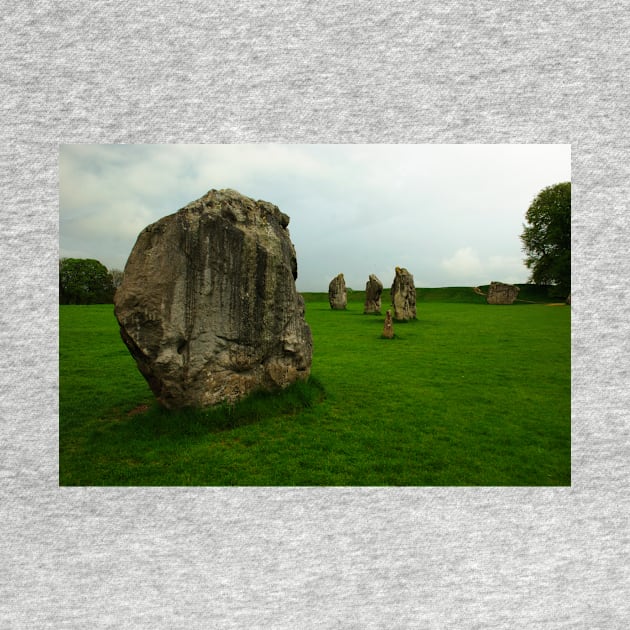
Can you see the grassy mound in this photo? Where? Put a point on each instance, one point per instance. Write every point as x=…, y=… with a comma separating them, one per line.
x=455, y=295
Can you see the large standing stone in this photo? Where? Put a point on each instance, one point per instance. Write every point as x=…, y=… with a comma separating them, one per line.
x=500, y=293
x=403, y=295
x=208, y=306
x=373, y=290
x=337, y=295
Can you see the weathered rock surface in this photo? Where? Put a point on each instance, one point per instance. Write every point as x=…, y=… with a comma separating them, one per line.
x=403, y=295
x=373, y=290
x=208, y=306
x=501, y=293
x=388, y=326
x=337, y=294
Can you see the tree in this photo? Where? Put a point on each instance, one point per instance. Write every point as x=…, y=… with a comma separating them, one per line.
x=84, y=281
x=116, y=276
x=547, y=238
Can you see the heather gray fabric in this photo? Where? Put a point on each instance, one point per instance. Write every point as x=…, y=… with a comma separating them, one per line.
x=349, y=72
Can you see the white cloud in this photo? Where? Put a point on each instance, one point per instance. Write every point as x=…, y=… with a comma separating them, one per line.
x=122, y=220
x=464, y=263
x=467, y=265
x=507, y=269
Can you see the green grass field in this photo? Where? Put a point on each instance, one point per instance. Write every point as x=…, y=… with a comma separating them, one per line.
x=469, y=394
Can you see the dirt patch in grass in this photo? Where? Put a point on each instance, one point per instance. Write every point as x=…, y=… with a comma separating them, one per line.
x=139, y=409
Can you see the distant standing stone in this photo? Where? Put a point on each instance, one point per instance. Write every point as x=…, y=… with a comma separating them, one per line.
x=208, y=306
x=337, y=294
x=373, y=290
x=501, y=293
x=403, y=295
x=388, y=328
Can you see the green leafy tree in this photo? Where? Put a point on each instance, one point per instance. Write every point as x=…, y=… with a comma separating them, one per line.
x=84, y=281
x=547, y=238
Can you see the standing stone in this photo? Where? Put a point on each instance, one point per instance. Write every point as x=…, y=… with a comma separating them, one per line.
x=403, y=295
x=337, y=295
x=208, y=306
x=500, y=293
x=388, y=328
x=373, y=290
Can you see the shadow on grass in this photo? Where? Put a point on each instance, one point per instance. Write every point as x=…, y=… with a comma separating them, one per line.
x=157, y=422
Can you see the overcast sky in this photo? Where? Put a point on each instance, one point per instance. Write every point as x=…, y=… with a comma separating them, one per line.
x=451, y=214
